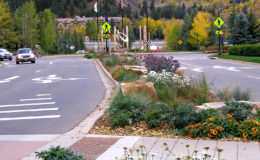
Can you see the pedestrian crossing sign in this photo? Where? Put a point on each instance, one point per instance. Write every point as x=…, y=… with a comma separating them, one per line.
x=219, y=32
x=106, y=27
x=219, y=22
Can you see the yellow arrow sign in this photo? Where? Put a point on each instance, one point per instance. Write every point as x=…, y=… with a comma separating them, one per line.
x=219, y=22
x=106, y=27
x=219, y=32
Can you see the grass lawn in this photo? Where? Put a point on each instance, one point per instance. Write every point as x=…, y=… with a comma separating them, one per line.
x=239, y=58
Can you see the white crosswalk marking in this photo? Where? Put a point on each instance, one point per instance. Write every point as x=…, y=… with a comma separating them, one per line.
x=29, y=104
x=9, y=79
x=35, y=99
x=30, y=110
x=30, y=117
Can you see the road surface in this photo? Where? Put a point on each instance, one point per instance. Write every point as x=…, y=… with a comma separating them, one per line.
x=49, y=97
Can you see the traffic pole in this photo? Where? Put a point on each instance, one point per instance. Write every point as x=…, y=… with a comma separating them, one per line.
x=219, y=51
x=147, y=28
x=97, y=28
x=106, y=19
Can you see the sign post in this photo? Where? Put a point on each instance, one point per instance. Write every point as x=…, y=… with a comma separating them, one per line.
x=219, y=22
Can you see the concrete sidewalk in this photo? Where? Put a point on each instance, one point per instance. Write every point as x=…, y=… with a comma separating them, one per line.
x=101, y=147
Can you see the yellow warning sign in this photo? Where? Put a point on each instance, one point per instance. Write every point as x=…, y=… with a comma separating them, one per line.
x=106, y=27
x=219, y=22
x=180, y=42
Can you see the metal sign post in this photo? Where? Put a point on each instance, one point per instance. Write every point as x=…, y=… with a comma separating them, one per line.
x=219, y=22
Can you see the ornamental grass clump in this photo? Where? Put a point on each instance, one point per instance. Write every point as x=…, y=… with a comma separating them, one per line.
x=158, y=63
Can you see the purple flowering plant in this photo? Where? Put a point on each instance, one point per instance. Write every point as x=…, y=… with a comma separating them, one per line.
x=158, y=63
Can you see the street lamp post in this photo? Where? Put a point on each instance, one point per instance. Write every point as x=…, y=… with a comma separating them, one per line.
x=147, y=28
x=219, y=50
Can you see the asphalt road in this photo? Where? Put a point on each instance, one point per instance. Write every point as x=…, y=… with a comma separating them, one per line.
x=222, y=74
x=49, y=97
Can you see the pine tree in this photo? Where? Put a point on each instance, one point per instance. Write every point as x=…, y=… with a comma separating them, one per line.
x=239, y=32
x=47, y=30
x=7, y=35
x=185, y=31
x=253, y=27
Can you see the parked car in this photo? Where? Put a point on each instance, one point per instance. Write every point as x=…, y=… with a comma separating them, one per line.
x=25, y=55
x=5, y=54
x=81, y=52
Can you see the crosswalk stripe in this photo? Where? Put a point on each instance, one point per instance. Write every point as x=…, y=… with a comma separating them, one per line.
x=35, y=99
x=30, y=117
x=42, y=95
x=29, y=104
x=30, y=110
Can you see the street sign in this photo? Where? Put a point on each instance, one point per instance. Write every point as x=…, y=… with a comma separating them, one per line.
x=106, y=36
x=147, y=42
x=219, y=22
x=72, y=47
x=106, y=27
x=219, y=32
x=180, y=42
x=223, y=33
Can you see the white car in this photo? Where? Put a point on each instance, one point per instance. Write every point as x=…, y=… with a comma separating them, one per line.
x=5, y=54
x=81, y=52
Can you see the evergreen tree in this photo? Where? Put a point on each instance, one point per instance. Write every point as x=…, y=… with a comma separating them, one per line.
x=91, y=29
x=7, y=35
x=47, y=30
x=253, y=27
x=27, y=21
x=185, y=31
x=239, y=32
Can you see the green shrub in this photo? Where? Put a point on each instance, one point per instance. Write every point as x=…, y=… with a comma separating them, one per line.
x=124, y=106
x=225, y=95
x=111, y=61
x=241, y=95
x=207, y=113
x=184, y=115
x=123, y=75
x=91, y=55
x=58, y=153
x=166, y=93
x=158, y=114
x=245, y=50
x=239, y=110
x=121, y=119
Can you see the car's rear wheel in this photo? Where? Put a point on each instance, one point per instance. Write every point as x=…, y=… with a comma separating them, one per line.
x=32, y=61
x=1, y=59
x=17, y=62
x=10, y=59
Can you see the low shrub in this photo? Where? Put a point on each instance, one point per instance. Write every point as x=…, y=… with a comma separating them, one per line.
x=158, y=114
x=157, y=63
x=132, y=109
x=184, y=115
x=91, y=55
x=123, y=75
x=240, y=95
x=58, y=153
x=207, y=113
x=111, y=61
x=166, y=93
x=249, y=129
x=245, y=50
x=239, y=110
x=225, y=94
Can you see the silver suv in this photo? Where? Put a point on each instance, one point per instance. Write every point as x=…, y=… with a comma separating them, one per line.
x=25, y=55
x=5, y=54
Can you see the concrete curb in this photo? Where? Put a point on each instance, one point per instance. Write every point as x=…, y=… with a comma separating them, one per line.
x=235, y=61
x=80, y=131
x=161, y=53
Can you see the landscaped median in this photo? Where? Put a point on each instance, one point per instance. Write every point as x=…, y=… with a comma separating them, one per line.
x=161, y=101
x=245, y=53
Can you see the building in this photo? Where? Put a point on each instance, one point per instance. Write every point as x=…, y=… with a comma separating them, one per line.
x=66, y=22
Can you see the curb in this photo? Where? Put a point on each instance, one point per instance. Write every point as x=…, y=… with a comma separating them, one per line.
x=162, y=53
x=81, y=130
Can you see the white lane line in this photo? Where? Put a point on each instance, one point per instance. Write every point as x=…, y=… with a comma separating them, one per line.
x=29, y=104
x=36, y=137
x=9, y=79
x=197, y=70
x=35, y=99
x=38, y=71
x=30, y=110
x=50, y=62
x=42, y=95
x=30, y=117
x=254, y=77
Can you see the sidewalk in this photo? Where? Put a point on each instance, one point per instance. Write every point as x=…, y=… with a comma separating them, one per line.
x=98, y=147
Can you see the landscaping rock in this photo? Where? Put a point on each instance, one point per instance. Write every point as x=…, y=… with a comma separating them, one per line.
x=136, y=69
x=135, y=88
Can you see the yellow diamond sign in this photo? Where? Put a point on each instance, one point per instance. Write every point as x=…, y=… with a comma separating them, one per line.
x=219, y=22
x=180, y=42
x=219, y=32
x=106, y=27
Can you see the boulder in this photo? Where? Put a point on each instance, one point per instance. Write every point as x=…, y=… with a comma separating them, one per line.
x=136, y=69
x=136, y=88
